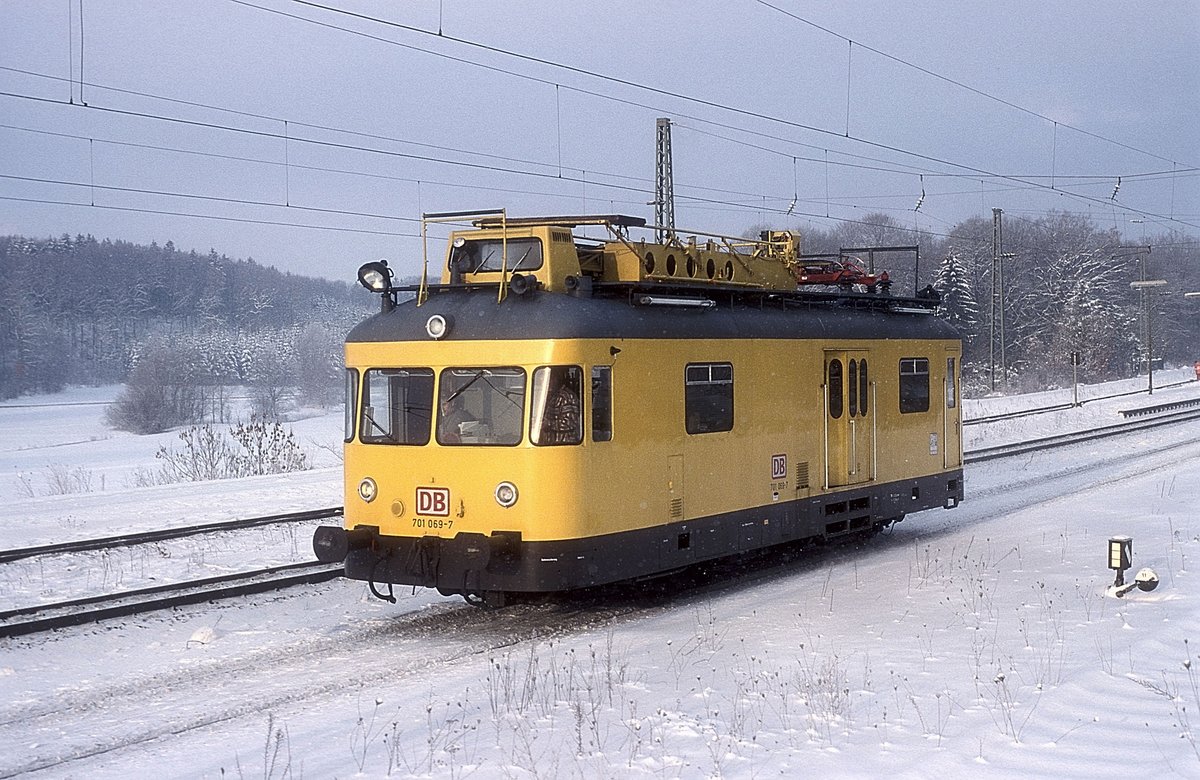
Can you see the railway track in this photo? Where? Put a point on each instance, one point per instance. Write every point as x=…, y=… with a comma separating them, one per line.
x=28, y=620
x=23, y=620
x=1060, y=407
x=47, y=617
x=146, y=537
x=1065, y=439
x=421, y=643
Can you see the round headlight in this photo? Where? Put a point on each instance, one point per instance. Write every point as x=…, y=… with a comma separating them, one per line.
x=506, y=494
x=437, y=326
x=367, y=489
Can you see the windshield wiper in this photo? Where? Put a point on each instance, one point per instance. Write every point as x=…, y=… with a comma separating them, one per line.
x=484, y=261
x=460, y=390
x=386, y=434
x=517, y=266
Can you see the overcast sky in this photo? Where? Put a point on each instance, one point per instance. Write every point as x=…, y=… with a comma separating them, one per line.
x=319, y=147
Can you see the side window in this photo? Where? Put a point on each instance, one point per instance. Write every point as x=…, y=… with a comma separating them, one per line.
x=914, y=385
x=833, y=385
x=864, y=387
x=397, y=406
x=601, y=403
x=556, y=415
x=351, y=402
x=951, y=386
x=708, y=397
x=852, y=387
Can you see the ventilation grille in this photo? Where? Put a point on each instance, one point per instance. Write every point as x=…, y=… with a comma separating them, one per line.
x=676, y=508
x=801, y=475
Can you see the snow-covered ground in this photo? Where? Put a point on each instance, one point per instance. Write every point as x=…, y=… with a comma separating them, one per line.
x=975, y=641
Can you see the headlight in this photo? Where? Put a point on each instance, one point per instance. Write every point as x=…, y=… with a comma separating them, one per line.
x=437, y=326
x=367, y=489
x=506, y=494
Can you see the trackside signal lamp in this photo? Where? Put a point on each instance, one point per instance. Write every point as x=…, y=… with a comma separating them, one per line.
x=1120, y=558
x=1120, y=553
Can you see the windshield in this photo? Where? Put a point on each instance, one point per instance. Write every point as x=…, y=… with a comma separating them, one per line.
x=524, y=254
x=397, y=406
x=480, y=406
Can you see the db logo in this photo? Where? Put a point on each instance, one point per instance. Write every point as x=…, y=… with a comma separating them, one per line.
x=433, y=501
x=779, y=467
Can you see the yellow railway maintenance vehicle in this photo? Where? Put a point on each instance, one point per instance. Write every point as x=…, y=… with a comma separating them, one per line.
x=563, y=411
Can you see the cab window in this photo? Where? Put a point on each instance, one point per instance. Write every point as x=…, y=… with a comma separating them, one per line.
x=482, y=406
x=556, y=408
x=601, y=403
x=480, y=255
x=397, y=406
x=351, y=402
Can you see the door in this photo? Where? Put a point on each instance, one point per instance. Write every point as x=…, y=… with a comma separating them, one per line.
x=951, y=416
x=849, y=418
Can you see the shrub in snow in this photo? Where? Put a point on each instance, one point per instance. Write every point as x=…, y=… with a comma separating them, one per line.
x=266, y=448
x=250, y=449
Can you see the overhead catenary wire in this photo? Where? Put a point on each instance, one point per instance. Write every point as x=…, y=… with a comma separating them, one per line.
x=281, y=120
x=500, y=168
x=757, y=206
x=192, y=215
x=746, y=113
x=695, y=199
x=962, y=85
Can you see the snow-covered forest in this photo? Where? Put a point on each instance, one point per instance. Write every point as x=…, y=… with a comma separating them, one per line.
x=1066, y=289
x=83, y=311
x=186, y=327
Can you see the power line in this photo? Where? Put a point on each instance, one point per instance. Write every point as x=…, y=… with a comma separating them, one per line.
x=628, y=83
x=164, y=212
x=440, y=160
x=230, y=128
x=960, y=84
x=282, y=121
x=196, y=196
x=1104, y=176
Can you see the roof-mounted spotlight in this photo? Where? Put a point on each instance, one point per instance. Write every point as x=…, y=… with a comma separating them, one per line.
x=377, y=278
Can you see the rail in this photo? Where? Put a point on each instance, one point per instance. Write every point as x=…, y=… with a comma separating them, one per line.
x=125, y=540
x=1059, y=407
x=95, y=608
x=1064, y=439
x=1155, y=409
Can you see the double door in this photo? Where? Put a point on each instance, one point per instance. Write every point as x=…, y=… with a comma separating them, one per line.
x=849, y=418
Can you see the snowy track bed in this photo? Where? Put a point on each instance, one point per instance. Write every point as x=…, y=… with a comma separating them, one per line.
x=974, y=637
x=973, y=641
